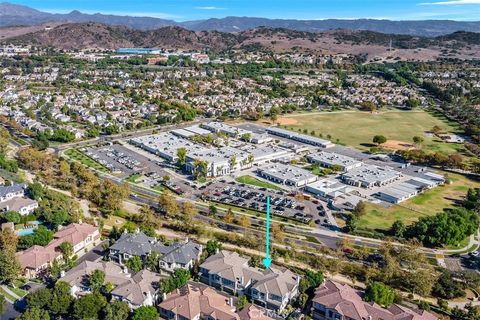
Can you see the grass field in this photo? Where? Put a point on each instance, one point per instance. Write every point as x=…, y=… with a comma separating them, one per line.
x=356, y=129
x=87, y=161
x=426, y=204
x=133, y=178
x=256, y=182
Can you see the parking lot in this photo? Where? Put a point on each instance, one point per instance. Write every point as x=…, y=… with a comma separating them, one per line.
x=255, y=198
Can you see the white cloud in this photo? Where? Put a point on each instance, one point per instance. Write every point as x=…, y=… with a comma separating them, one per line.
x=451, y=2
x=209, y=8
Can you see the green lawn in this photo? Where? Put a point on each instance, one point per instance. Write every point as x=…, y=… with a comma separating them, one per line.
x=7, y=295
x=18, y=292
x=356, y=129
x=133, y=178
x=425, y=204
x=84, y=159
x=257, y=182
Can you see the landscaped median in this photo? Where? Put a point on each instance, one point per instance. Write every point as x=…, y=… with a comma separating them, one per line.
x=257, y=183
x=75, y=154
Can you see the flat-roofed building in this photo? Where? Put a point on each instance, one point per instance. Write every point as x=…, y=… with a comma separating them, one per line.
x=370, y=176
x=265, y=153
x=219, y=160
x=314, y=141
x=287, y=175
x=331, y=159
x=328, y=188
x=259, y=138
x=166, y=145
x=232, y=131
x=398, y=193
x=182, y=133
x=197, y=130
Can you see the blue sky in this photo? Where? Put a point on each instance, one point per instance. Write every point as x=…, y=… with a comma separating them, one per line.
x=181, y=10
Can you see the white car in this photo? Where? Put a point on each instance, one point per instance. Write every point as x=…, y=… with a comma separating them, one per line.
x=474, y=253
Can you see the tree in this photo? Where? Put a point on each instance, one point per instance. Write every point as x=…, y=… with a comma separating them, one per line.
x=182, y=155
x=66, y=248
x=229, y=216
x=398, y=229
x=34, y=314
x=232, y=162
x=418, y=140
x=9, y=266
x=3, y=303
x=244, y=222
x=241, y=303
x=213, y=246
x=360, y=209
x=445, y=228
x=134, y=264
x=447, y=287
x=39, y=298
x=351, y=223
x=152, y=261
x=89, y=306
x=146, y=313
x=12, y=216
x=189, y=212
x=212, y=210
x=380, y=293
x=379, y=139
x=8, y=240
x=96, y=280
x=168, y=204
x=246, y=137
x=179, y=279
x=61, y=300
x=116, y=310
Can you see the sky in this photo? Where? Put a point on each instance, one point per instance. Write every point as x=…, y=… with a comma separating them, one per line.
x=182, y=10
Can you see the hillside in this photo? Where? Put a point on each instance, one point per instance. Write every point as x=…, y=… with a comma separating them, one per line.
x=17, y=15
x=367, y=43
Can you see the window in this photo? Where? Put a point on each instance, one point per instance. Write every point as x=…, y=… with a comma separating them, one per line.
x=275, y=297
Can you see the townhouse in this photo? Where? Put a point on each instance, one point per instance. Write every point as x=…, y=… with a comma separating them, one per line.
x=273, y=288
x=197, y=301
x=335, y=301
x=178, y=255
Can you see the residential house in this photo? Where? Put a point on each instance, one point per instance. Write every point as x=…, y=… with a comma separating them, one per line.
x=273, y=288
x=178, y=255
x=335, y=301
x=197, y=301
x=139, y=289
x=36, y=260
x=12, y=198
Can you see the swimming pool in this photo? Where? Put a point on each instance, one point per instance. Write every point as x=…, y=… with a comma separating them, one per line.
x=25, y=232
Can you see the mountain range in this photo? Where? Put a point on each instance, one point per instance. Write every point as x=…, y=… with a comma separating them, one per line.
x=18, y=15
x=365, y=44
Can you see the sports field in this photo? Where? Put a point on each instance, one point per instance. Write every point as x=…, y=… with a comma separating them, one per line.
x=356, y=129
x=425, y=204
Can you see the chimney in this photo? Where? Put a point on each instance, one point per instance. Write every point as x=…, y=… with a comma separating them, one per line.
x=62, y=273
x=217, y=251
x=230, y=301
x=164, y=296
x=80, y=221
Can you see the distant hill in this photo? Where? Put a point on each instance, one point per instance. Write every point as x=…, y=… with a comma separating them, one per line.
x=17, y=15
x=369, y=44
